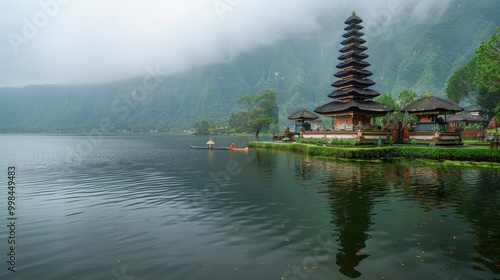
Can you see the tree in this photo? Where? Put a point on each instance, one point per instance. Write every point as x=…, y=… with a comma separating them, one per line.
x=395, y=119
x=406, y=97
x=267, y=101
x=257, y=123
x=202, y=128
x=488, y=71
x=496, y=119
x=274, y=128
x=327, y=123
x=488, y=64
x=391, y=120
x=258, y=111
x=387, y=99
x=478, y=82
x=461, y=86
x=239, y=121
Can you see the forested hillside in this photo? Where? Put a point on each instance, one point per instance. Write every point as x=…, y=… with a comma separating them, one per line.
x=419, y=56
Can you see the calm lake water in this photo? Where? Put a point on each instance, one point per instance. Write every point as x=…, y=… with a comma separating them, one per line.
x=149, y=207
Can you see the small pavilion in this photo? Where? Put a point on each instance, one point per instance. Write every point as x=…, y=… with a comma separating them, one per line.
x=431, y=111
x=478, y=111
x=210, y=144
x=467, y=119
x=302, y=118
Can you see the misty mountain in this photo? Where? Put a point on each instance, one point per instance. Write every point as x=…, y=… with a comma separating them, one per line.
x=417, y=55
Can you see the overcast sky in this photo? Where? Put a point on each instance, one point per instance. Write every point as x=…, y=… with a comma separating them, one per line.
x=92, y=41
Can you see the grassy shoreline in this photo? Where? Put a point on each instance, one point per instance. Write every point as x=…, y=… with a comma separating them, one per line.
x=476, y=156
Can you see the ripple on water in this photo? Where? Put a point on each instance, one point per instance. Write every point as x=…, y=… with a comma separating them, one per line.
x=141, y=204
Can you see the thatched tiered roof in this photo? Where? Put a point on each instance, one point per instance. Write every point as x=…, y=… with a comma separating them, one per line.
x=431, y=105
x=353, y=93
x=354, y=106
x=467, y=118
x=303, y=115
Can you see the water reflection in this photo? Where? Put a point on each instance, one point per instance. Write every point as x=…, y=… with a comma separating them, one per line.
x=350, y=190
x=166, y=211
x=479, y=202
x=426, y=185
x=354, y=189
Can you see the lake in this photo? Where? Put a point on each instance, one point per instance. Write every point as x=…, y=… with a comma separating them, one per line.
x=137, y=207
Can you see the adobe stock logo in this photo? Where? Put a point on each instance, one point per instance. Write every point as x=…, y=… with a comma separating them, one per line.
x=382, y=18
x=48, y=9
x=222, y=7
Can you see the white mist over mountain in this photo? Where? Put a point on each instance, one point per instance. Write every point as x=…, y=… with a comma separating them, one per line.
x=91, y=41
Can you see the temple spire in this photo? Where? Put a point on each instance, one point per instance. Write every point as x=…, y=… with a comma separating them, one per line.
x=353, y=102
x=353, y=80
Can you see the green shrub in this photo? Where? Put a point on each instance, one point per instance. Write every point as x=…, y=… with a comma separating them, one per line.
x=473, y=126
x=469, y=154
x=414, y=141
x=328, y=142
x=390, y=140
x=409, y=152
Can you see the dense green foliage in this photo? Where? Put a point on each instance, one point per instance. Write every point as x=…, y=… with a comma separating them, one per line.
x=462, y=154
x=209, y=127
x=387, y=99
x=396, y=119
x=392, y=120
x=327, y=142
x=406, y=97
x=478, y=82
x=419, y=56
x=461, y=86
x=257, y=112
x=203, y=128
x=488, y=64
x=488, y=70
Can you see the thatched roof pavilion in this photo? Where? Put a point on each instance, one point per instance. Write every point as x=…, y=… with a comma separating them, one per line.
x=303, y=118
x=303, y=115
x=477, y=110
x=467, y=119
x=210, y=144
x=431, y=105
x=428, y=109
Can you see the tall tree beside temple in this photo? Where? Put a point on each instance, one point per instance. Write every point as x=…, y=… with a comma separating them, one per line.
x=258, y=112
x=406, y=97
x=488, y=69
x=391, y=120
x=478, y=82
x=387, y=99
x=488, y=63
x=461, y=86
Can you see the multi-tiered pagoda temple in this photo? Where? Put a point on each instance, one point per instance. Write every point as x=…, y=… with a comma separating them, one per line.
x=353, y=104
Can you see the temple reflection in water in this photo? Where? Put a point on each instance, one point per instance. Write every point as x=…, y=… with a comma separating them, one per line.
x=356, y=192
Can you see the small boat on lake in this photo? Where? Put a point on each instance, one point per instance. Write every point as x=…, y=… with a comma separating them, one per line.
x=209, y=148
x=210, y=145
x=219, y=148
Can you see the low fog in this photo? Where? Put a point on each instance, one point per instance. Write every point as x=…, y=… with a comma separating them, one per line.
x=93, y=41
